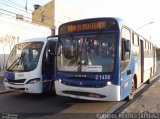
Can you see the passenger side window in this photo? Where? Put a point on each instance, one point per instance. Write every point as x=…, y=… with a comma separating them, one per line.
x=125, y=48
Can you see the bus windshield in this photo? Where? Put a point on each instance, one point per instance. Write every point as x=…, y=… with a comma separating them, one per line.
x=24, y=56
x=89, y=53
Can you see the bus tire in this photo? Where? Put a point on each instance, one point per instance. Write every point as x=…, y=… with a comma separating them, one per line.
x=131, y=95
x=149, y=80
x=52, y=90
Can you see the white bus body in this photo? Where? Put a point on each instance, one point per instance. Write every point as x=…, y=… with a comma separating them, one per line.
x=27, y=69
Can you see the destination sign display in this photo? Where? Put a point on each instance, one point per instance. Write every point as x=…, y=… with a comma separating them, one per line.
x=84, y=26
x=29, y=45
x=87, y=26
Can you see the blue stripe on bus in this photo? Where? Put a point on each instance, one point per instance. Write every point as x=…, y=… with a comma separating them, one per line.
x=126, y=82
x=84, y=80
x=9, y=75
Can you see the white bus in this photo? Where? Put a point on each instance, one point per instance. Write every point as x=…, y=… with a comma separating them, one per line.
x=30, y=66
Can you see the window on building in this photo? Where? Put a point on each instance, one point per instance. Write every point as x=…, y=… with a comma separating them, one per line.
x=43, y=15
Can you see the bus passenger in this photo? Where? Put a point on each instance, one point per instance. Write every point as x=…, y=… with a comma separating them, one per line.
x=112, y=49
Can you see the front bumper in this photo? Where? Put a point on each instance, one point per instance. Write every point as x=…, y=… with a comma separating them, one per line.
x=26, y=88
x=109, y=93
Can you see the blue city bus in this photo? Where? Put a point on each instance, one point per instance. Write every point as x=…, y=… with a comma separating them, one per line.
x=102, y=59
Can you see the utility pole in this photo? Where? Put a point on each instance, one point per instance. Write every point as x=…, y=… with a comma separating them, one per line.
x=26, y=9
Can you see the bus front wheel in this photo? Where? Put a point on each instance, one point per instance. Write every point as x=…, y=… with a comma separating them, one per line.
x=52, y=90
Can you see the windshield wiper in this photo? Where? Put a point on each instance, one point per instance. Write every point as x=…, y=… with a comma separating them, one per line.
x=14, y=64
x=21, y=58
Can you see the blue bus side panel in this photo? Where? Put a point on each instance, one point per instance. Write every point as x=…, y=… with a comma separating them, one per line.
x=126, y=79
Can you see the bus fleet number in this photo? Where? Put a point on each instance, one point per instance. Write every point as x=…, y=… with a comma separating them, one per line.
x=103, y=77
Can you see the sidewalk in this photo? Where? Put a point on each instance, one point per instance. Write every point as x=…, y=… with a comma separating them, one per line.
x=148, y=102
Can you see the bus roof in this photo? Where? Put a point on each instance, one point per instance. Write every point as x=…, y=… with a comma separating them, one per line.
x=94, y=19
x=120, y=23
x=43, y=39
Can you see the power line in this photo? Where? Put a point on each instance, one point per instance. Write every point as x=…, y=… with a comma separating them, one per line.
x=19, y=5
x=24, y=17
x=46, y=18
x=13, y=7
x=7, y=14
x=62, y=16
x=39, y=13
x=26, y=27
x=23, y=10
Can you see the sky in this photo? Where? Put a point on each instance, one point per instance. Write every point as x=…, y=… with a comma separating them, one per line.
x=138, y=13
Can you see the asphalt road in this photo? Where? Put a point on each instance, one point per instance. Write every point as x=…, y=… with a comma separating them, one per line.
x=25, y=103
x=47, y=106
x=2, y=88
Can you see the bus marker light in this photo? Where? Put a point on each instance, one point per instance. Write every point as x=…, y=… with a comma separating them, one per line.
x=109, y=83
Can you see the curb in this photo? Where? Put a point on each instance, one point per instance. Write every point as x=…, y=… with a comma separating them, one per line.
x=5, y=91
x=118, y=108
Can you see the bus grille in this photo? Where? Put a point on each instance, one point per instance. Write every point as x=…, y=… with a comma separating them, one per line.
x=16, y=81
x=86, y=94
x=84, y=84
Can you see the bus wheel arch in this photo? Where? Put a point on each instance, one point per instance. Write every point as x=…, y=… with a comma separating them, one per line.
x=134, y=82
x=134, y=86
x=149, y=80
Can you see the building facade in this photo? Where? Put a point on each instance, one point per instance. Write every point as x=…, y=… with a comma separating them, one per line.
x=55, y=13
x=44, y=15
x=14, y=31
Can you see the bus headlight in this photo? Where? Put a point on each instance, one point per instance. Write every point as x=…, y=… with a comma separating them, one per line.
x=5, y=80
x=108, y=83
x=32, y=81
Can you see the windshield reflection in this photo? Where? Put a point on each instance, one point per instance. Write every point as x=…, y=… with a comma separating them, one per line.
x=94, y=53
x=24, y=56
